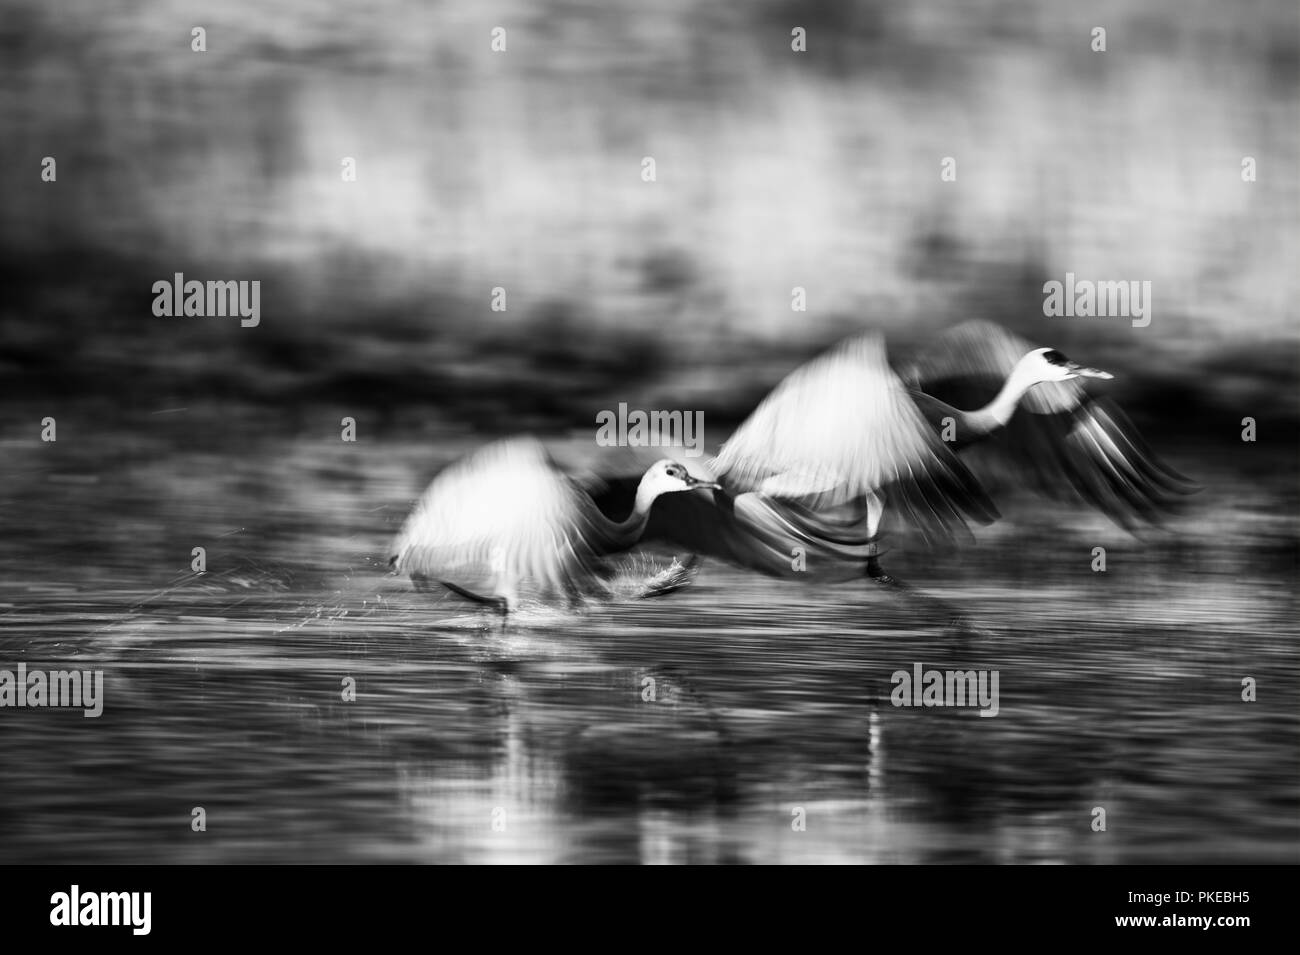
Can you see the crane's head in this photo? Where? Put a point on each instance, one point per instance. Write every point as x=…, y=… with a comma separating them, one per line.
x=667, y=476
x=1048, y=364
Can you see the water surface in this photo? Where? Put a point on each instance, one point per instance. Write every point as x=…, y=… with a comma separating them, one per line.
x=538, y=743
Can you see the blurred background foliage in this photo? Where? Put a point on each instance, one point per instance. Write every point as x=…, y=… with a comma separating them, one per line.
x=522, y=170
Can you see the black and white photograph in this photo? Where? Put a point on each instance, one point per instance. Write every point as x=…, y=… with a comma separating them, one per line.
x=606, y=433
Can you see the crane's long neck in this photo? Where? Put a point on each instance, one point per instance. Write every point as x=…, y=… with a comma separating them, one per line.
x=998, y=412
x=623, y=534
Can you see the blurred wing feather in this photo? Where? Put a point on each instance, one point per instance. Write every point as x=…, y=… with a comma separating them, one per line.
x=505, y=509
x=843, y=426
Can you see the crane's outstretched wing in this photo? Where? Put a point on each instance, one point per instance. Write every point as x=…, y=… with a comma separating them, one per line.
x=504, y=512
x=1062, y=441
x=753, y=530
x=844, y=426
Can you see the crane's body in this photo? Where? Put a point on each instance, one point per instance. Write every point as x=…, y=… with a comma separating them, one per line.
x=807, y=480
x=506, y=516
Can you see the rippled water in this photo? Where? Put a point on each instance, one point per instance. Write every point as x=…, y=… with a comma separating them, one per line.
x=470, y=743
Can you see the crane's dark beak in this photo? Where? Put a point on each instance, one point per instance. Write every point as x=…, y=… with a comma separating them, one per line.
x=695, y=484
x=1082, y=372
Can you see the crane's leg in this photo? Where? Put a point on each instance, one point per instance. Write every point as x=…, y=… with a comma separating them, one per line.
x=956, y=619
x=574, y=598
x=875, y=511
x=500, y=604
x=507, y=600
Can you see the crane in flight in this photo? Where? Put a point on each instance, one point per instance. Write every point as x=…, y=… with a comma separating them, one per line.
x=506, y=516
x=844, y=440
